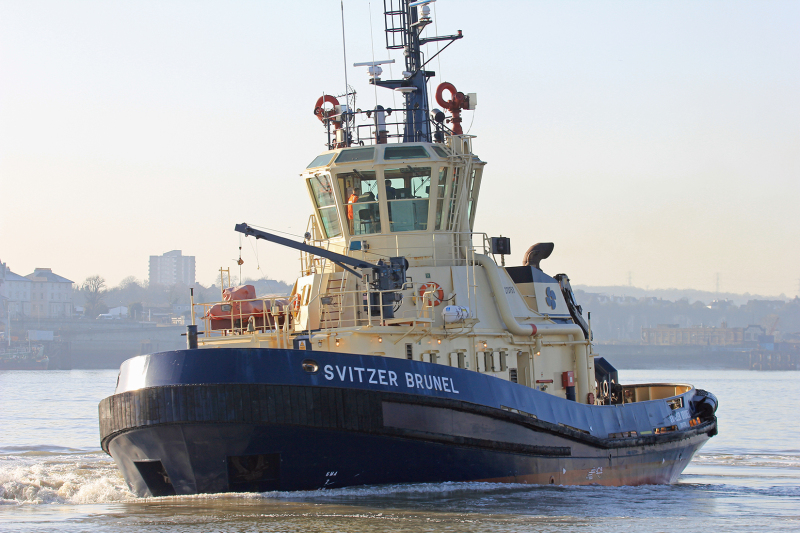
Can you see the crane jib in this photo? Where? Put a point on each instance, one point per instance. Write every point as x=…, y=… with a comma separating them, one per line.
x=389, y=276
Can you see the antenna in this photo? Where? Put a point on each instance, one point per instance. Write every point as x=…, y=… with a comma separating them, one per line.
x=346, y=85
x=374, y=70
x=404, y=22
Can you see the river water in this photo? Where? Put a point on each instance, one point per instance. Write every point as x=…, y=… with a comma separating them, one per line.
x=54, y=477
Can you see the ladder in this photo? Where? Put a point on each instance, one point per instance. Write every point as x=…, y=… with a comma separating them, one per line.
x=395, y=13
x=331, y=314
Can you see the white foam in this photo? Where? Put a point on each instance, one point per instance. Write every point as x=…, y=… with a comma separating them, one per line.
x=377, y=490
x=750, y=460
x=61, y=479
x=90, y=478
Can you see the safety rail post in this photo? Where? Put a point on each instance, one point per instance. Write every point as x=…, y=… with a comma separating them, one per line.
x=265, y=315
x=191, y=303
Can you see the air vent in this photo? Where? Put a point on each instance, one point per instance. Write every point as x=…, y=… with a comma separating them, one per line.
x=512, y=375
x=488, y=362
x=409, y=351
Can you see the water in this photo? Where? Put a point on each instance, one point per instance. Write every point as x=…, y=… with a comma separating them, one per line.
x=53, y=476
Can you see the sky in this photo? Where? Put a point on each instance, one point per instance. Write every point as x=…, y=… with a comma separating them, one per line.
x=656, y=142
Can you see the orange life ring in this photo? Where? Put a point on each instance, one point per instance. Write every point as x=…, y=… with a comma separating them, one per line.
x=296, y=302
x=437, y=290
x=327, y=115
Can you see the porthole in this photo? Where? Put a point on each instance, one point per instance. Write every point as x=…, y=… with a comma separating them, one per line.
x=310, y=366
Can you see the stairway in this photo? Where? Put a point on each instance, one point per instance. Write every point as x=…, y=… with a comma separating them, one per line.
x=331, y=314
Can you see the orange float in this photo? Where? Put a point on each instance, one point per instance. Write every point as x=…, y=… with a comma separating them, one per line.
x=327, y=115
x=436, y=289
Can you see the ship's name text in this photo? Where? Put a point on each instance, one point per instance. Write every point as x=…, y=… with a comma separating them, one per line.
x=378, y=376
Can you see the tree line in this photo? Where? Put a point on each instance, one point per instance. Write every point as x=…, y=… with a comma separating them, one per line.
x=621, y=319
x=96, y=297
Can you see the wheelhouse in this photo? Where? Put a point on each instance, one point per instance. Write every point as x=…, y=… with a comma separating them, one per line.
x=390, y=189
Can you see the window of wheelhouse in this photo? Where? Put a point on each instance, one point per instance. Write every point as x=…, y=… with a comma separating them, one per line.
x=474, y=187
x=407, y=191
x=359, y=190
x=452, y=197
x=322, y=191
x=441, y=187
x=471, y=198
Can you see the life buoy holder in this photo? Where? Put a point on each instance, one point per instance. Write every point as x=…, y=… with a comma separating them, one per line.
x=436, y=289
x=323, y=115
x=296, y=300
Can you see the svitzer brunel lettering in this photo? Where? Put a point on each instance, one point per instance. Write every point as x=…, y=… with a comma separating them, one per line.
x=388, y=377
x=402, y=333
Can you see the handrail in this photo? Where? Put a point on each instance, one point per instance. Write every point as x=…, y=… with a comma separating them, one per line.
x=271, y=322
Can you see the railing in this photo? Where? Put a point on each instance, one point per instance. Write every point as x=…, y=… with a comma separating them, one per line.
x=275, y=318
x=355, y=308
x=346, y=308
x=653, y=391
x=386, y=132
x=441, y=249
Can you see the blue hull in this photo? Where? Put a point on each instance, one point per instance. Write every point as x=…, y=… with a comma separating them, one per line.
x=200, y=421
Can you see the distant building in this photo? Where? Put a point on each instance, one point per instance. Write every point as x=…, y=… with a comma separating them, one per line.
x=179, y=309
x=673, y=335
x=51, y=294
x=753, y=332
x=118, y=312
x=15, y=291
x=172, y=268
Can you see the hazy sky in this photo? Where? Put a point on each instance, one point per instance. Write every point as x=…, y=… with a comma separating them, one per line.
x=656, y=138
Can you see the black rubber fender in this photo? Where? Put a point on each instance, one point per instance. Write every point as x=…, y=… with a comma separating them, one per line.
x=704, y=404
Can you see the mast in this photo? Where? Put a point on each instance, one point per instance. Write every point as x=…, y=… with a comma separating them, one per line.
x=404, y=22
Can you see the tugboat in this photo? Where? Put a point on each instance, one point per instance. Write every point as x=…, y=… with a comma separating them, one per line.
x=22, y=357
x=405, y=353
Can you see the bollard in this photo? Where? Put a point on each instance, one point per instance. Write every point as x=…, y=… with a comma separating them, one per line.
x=191, y=336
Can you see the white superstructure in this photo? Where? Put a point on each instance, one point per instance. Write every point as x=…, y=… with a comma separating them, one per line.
x=418, y=201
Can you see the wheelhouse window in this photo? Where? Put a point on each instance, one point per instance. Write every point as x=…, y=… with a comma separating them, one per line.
x=405, y=152
x=356, y=154
x=475, y=184
x=322, y=192
x=452, y=199
x=321, y=160
x=471, y=197
x=440, y=151
x=441, y=187
x=407, y=193
x=359, y=190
